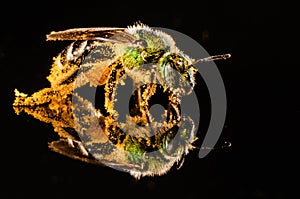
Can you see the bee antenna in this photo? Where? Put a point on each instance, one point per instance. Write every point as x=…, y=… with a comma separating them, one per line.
x=213, y=58
x=226, y=144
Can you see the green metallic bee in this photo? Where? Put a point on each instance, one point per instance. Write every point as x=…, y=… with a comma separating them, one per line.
x=102, y=61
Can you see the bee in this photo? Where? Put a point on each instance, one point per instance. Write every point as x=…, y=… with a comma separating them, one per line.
x=102, y=61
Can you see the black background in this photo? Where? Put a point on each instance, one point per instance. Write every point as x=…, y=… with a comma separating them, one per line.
x=261, y=92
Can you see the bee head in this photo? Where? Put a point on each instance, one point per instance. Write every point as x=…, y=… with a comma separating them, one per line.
x=176, y=72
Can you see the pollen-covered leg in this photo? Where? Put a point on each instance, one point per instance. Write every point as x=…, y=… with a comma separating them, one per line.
x=50, y=106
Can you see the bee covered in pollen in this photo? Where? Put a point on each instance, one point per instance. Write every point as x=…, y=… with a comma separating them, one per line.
x=86, y=80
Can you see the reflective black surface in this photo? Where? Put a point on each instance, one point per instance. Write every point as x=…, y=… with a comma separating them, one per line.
x=261, y=93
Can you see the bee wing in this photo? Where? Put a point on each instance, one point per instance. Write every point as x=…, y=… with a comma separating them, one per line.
x=73, y=150
x=115, y=35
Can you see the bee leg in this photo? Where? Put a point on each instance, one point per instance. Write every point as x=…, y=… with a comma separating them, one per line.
x=78, y=145
x=142, y=106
